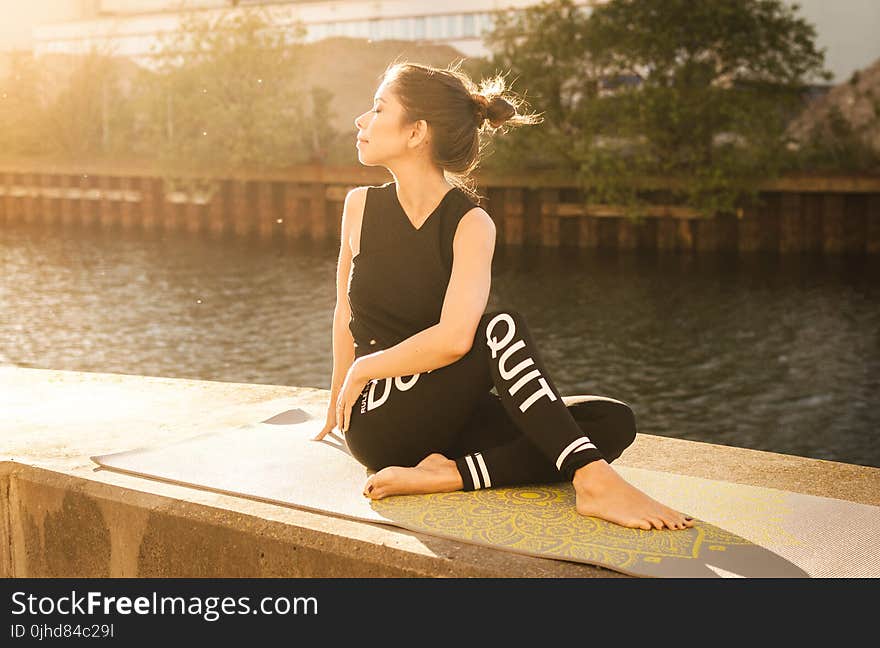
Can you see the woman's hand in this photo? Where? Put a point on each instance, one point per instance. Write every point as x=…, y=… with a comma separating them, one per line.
x=330, y=421
x=352, y=386
x=340, y=410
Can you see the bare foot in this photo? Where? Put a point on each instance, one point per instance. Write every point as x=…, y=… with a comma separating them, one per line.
x=433, y=474
x=602, y=493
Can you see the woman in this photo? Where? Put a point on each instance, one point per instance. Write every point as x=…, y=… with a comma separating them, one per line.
x=416, y=358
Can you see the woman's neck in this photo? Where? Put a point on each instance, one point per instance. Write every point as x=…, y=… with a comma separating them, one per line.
x=420, y=193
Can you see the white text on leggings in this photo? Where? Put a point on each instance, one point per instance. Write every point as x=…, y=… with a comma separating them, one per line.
x=371, y=401
x=510, y=374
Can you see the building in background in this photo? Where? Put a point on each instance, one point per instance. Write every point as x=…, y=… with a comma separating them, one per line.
x=130, y=27
x=18, y=19
x=846, y=28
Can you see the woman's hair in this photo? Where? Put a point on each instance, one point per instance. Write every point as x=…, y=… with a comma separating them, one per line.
x=458, y=112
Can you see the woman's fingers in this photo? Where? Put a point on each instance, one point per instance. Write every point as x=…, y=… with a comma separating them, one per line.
x=342, y=411
x=320, y=435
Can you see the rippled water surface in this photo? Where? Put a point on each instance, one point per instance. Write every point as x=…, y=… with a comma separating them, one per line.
x=777, y=353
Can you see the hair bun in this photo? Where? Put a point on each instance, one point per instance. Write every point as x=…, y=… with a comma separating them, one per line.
x=497, y=110
x=481, y=108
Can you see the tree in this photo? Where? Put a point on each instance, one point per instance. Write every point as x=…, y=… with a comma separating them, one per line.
x=89, y=115
x=543, y=47
x=226, y=95
x=21, y=106
x=696, y=90
x=319, y=137
x=840, y=130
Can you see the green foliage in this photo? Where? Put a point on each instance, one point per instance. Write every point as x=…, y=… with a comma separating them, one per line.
x=697, y=90
x=683, y=101
x=542, y=48
x=21, y=106
x=836, y=145
x=89, y=116
x=66, y=107
x=226, y=96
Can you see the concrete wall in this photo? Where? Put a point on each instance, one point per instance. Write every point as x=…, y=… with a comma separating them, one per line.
x=828, y=215
x=61, y=516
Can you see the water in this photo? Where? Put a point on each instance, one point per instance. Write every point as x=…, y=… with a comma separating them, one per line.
x=772, y=352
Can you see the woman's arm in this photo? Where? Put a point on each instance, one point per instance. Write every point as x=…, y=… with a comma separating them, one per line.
x=343, y=342
x=343, y=350
x=466, y=297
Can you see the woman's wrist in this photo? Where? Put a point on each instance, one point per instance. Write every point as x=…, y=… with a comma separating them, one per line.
x=360, y=369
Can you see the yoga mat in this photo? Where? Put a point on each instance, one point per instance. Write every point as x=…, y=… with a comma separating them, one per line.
x=744, y=531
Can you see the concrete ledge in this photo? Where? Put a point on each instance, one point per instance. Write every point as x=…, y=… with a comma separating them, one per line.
x=59, y=516
x=69, y=526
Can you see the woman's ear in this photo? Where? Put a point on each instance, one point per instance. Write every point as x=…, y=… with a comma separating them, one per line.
x=419, y=134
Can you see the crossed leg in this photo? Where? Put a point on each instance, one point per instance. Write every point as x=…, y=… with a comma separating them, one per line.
x=538, y=441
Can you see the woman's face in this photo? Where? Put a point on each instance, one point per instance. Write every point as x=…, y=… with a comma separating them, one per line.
x=380, y=136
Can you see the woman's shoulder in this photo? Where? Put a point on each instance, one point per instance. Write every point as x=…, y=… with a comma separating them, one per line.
x=475, y=225
x=363, y=189
x=470, y=211
x=477, y=217
x=470, y=218
x=356, y=198
x=354, y=210
x=358, y=195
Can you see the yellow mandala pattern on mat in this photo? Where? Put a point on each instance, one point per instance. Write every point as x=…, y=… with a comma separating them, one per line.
x=543, y=521
x=762, y=511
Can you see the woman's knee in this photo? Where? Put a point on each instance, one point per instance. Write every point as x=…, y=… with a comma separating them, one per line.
x=623, y=422
x=375, y=445
x=364, y=454
x=365, y=442
x=610, y=423
x=378, y=456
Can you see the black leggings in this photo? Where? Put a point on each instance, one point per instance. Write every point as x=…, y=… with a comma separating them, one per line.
x=523, y=435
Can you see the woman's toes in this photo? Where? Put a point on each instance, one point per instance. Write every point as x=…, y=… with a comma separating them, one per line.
x=382, y=482
x=671, y=521
x=376, y=484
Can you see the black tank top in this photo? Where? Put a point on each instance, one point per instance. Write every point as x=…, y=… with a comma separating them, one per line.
x=400, y=274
